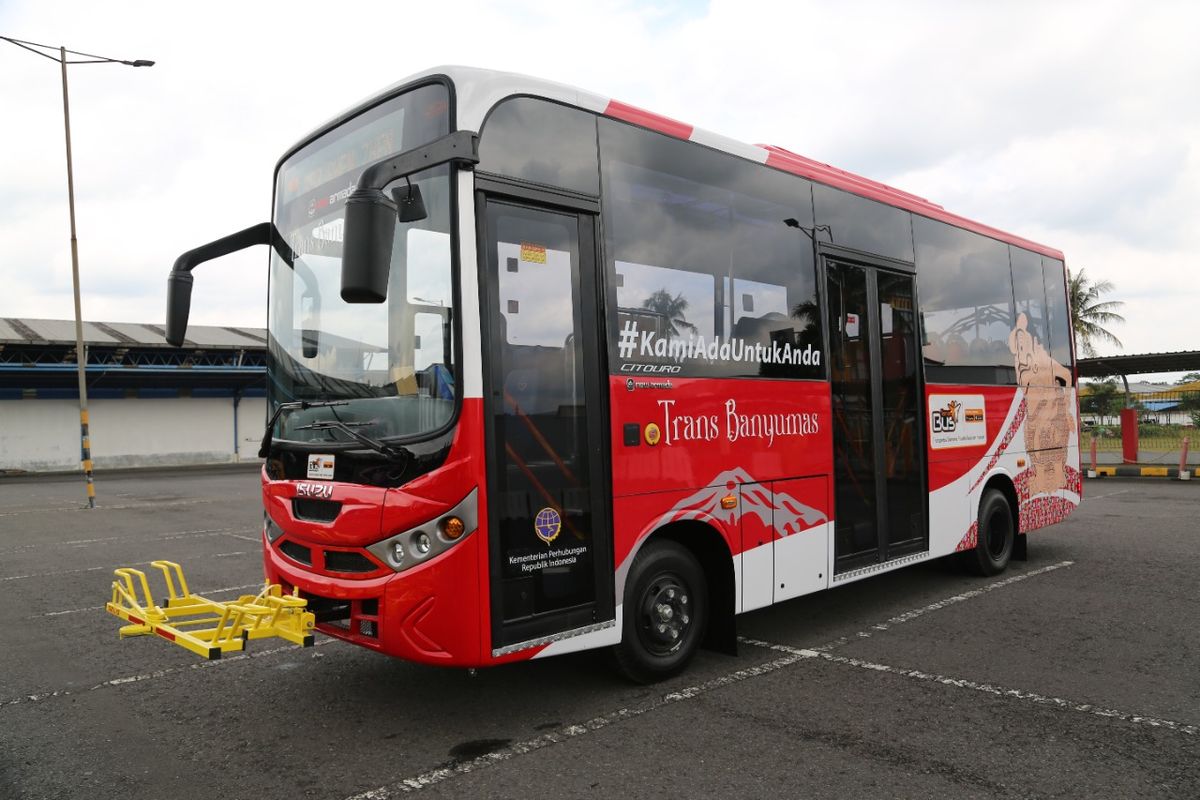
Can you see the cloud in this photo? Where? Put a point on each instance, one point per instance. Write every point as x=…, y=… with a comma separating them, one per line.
x=1072, y=123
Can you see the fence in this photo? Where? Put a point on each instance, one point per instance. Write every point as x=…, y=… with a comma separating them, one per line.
x=1165, y=419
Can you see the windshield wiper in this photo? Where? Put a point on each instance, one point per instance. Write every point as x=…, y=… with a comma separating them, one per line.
x=383, y=448
x=265, y=449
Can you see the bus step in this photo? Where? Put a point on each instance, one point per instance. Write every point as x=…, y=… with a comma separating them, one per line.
x=207, y=627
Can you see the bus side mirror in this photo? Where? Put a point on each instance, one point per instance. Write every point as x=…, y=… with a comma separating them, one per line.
x=371, y=217
x=367, y=246
x=179, y=305
x=179, y=282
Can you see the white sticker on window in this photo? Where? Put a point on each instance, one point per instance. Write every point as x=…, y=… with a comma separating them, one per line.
x=320, y=467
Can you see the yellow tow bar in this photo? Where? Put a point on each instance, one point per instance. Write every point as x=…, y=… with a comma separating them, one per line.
x=207, y=627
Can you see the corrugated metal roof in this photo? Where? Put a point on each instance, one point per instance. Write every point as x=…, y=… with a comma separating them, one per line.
x=62, y=331
x=1101, y=366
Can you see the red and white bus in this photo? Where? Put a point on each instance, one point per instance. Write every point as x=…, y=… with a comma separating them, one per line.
x=548, y=372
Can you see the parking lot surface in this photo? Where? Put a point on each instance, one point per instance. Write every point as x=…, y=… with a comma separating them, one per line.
x=1074, y=674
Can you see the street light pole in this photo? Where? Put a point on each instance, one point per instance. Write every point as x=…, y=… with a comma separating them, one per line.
x=80, y=351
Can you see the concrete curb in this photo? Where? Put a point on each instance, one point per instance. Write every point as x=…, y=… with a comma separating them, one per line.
x=1134, y=471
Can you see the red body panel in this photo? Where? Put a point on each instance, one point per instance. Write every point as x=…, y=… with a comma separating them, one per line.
x=714, y=436
x=437, y=612
x=948, y=465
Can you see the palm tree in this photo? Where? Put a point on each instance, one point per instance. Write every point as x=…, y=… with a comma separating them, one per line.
x=671, y=308
x=1089, y=314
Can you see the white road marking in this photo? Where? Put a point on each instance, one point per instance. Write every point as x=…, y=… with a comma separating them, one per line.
x=908, y=616
x=204, y=593
x=37, y=698
x=102, y=507
x=791, y=655
x=94, y=569
x=987, y=688
x=1109, y=494
x=84, y=542
x=52, y=574
x=568, y=732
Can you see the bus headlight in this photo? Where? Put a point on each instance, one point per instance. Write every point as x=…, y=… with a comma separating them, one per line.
x=406, y=549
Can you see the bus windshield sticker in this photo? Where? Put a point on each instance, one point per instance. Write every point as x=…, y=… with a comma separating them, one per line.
x=956, y=421
x=320, y=467
x=533, y=253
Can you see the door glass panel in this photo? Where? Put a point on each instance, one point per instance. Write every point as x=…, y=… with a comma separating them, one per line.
x=855, y=500
x=902, y=449
x=541, y=493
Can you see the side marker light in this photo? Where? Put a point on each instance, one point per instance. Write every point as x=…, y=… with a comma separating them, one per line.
x=453, y=528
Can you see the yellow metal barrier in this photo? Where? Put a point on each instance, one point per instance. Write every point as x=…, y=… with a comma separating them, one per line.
x=207, y=627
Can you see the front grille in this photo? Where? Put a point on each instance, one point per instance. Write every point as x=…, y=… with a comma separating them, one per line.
x=316, y=510
x=297, y=552
x=327, y=609
x=357, y=619
x=348, y=561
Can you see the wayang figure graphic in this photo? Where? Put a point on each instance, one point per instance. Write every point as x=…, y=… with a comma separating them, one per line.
x=1048, y=417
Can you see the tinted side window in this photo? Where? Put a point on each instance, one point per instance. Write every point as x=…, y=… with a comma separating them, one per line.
x=863, y=224
x=543, y=142
x=1029, y=292
x=703, y=264
x=1056, y=305
x=966, y=304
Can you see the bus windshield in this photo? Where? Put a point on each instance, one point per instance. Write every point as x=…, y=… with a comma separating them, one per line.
x=391, y=362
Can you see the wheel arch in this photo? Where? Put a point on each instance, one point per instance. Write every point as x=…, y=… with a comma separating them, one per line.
x=710, y=548
x=1003, y=483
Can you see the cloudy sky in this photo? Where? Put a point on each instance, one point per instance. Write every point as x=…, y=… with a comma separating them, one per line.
x=1076, y=124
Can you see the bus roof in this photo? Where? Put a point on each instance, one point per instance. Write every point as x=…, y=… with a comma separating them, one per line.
x=478, y=90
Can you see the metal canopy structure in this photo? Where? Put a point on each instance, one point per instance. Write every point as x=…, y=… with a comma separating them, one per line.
x=1103, y=366
x=37, y=359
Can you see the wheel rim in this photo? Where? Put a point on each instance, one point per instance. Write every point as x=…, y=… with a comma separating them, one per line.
x=999, y=530
x=665, y=614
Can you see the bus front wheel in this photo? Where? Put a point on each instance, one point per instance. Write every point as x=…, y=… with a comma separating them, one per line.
x=997, y=534
x=664, y=614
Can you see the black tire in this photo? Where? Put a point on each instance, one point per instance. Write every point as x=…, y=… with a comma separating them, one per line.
x=664, y=614
x=997, y=534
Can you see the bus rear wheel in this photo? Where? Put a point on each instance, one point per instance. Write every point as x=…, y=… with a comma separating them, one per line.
x=664, y=614
x=997, y=535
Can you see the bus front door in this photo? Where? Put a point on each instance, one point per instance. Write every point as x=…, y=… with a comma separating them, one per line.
x=879, y=455
x=550, y=543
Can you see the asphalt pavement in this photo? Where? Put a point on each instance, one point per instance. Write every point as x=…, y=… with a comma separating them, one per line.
x=1074, y=674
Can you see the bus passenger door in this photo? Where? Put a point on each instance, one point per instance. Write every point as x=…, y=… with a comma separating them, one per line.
x=550, y=543
x=879, y=456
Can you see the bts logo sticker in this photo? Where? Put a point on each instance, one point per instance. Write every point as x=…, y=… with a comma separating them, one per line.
x=956, y=421
x=547, y=525
x=945, y=420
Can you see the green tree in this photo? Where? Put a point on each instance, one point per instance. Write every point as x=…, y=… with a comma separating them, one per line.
x=1103, y=399
x=1188, y=378
x=1090, y=314
x=672, y=309
x=1190, y=402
